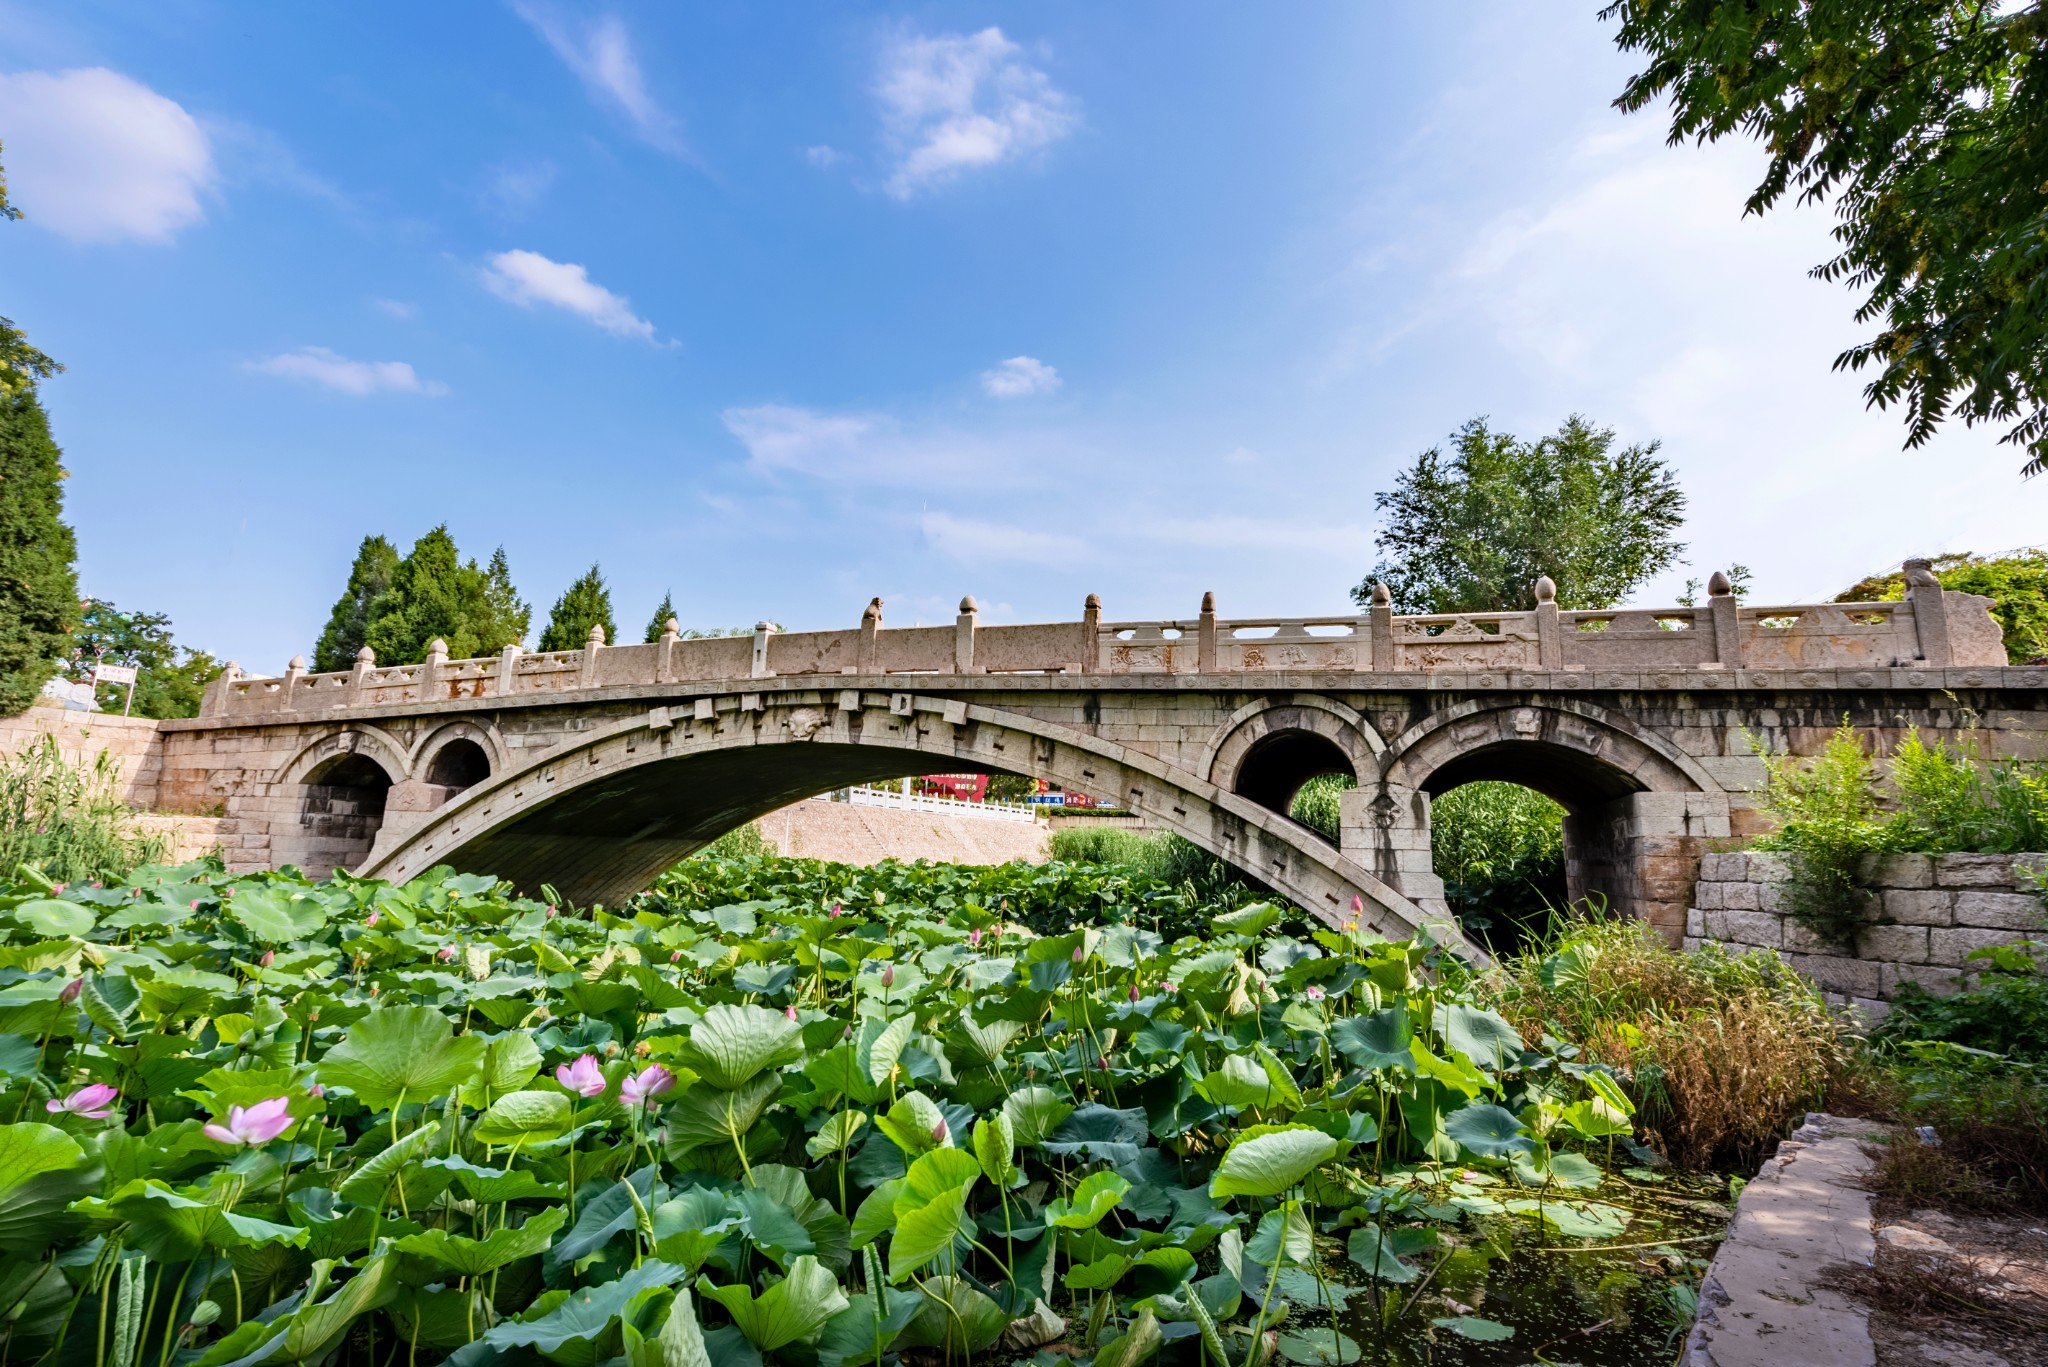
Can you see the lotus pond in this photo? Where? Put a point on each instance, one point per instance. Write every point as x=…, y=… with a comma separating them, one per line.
x=780, y=1112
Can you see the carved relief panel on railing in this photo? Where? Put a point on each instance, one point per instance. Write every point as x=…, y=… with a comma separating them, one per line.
x=1306, y=643
x=1148, y=648
x=1829, y=635
x=1477, y=640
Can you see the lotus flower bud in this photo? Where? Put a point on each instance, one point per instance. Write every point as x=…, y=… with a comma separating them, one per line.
x=974, y=938
x=551, y=913
x=269, y=958
x=1357, y=903
x=374, y=917
x=888, y=975
x=69, y=992
x=676, y=957
x=446, y=953
x=939, y=1131
x=790, y=1012
x=1081, y=952
x=835, y=909
x=1313, y=992
x=1101, y=1063
x=227, y=892
x=204, y=1313
x=316, y=1090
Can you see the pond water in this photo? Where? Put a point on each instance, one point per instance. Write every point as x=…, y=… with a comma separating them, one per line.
x=1624, y=1302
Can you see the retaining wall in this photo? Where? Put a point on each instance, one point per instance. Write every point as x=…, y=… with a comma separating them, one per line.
x=1927, y=914
x=851, y=834
x=133, y=742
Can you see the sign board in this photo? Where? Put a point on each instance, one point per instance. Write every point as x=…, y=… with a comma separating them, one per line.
x=113, y=674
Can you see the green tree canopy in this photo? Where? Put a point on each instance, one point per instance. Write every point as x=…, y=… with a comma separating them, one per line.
x=38, y=586
x=170, y=679
x=348, y=625
x=509, y=616
x=2016, y=583
x=658, y=623
x=1471, y=529
x=584, y=604
x=434, y=594
x=1925, y=124
x=21, y=365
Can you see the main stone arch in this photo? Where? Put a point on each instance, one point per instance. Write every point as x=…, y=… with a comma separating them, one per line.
x=600, y=817
x=1638, y=809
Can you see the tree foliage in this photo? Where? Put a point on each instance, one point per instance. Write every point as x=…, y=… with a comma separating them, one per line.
x=435, y=594
x=584, y=604
x=1471, y=530
x=1926, y=123
x=510, y=616
x=2016, y=583
x=658, y=623
x=348, y=625
x=170, y=679
x=21, y=365
x=38, y=586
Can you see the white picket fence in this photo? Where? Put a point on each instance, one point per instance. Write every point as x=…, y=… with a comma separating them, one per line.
x=923, y=802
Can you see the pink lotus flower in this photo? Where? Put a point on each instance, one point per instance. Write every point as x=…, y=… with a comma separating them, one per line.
x=676, y=957
x=1134, y=991
x=939, y=1131
x=195, y=904
x=316, y=1091
x=269, y=958
x=583, y=1076
x=68, y=993
x=446, y=953
x=375, y=917
x=888, y=975
x=1313, y=993
x=789, y=1011
x=1101, y=1063
x=640, y=1089
x=95, y=1102
x=974, y=938
x=60, y=888
x=1357, y=902
x=835, y=909
x=551, y=913
x=1167, y=988
x=1081, y=952
x=258, y=1124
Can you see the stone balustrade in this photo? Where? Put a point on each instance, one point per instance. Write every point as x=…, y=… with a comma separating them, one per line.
x=1930, y=638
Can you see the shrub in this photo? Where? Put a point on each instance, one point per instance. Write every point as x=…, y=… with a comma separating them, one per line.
x=740, y=842
x=1723, y=1052
x=69, y=823
x=1990, y=1116
x=1951, y=798
x=1315, y=806
x=2005, y=1013
x=1499, y=847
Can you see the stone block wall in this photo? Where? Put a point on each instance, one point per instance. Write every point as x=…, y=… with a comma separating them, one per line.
x=1927, y=913
x=135, y=744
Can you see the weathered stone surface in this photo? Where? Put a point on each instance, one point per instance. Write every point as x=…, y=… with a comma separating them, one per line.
x=1709, y=896
x=1746, y=927
x=1760, y=1304
x=1973, y=870
x=1695, y=923
x=1854, y=977
x=1899, y=871
x=1895, y=944
x=1918, y=906
x=1939, y=980
x=2000, y=911
x=1954, y=946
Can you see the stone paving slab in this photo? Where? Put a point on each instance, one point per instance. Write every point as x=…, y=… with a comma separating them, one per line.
x=1806, y=1210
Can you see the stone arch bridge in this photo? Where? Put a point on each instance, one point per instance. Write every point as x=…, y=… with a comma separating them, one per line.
x=594, y=769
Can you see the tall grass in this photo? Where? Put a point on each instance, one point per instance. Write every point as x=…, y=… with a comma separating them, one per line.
x=69, y=822
x=1723, y=1052
x=1162, y=855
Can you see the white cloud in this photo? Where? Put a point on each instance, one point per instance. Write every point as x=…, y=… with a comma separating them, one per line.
x=878, y=450
x=1020, y=377
x=959, y=102
x=97, y=157
x=331, y=370
x=528, y=278
x=823, y=156
x=601, y=55
x=977, y=542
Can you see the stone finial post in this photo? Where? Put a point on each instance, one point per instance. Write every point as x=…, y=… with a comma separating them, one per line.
x=1724, y=615
x=431, y=671
x=586, y=676
x=508, y=670
x=963, y=637
x=764, y=631
x=218, y=696
x=871, y=638
x=665, y=652
x=293, y=672
x=359, y=677
x=1205, y=638
x=1549, y=633
x=1381, y=613
x=1091, y=634
x=1930, y=614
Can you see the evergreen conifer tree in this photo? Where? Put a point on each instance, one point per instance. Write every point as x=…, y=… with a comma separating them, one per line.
x=584, y=604
x=38, y=586
x=348, y=625
x=509, y=614
x=659, y=622
x=433, y=594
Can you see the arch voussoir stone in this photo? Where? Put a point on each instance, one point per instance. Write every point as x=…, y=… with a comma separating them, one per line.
x=600, y=814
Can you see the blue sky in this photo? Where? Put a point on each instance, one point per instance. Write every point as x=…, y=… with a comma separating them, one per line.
x=783, y=307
